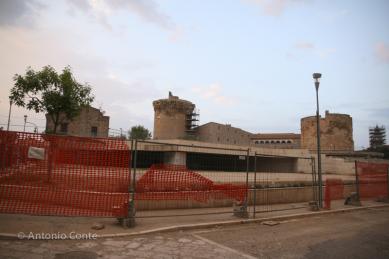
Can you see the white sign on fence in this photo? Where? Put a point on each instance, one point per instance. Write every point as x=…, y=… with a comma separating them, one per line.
x=36, y=153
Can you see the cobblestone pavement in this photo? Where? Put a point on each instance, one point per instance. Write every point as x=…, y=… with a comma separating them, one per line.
x=358, y=234
x=171, y=245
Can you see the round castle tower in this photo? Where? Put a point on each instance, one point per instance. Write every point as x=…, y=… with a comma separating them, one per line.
x=336, y=132
x=171, y=117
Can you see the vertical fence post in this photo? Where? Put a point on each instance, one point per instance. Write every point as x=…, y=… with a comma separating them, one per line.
x=357, y=180
x=50, y=161
x=242, y=210
x=387, y=183
x=4, y=151
x=130, y=221
x=255, y=184
x=247, y=177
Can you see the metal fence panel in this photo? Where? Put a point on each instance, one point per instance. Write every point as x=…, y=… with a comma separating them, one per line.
x=282, y=183
x=180, y=180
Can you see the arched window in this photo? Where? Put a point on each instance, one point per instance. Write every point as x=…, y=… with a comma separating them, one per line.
x=283, y=142
x=267, y=142
x=272, y=142
x=262, y=142
x=289, y=141
x=278, y=142
x=256, y=142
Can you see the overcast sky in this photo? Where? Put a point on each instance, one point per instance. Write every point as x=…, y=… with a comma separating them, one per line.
x=248, y=63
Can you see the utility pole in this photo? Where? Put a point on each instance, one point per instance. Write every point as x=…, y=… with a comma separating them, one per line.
x=9, y=114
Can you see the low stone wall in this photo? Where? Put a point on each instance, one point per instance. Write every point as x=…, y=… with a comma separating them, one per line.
x=263, y=197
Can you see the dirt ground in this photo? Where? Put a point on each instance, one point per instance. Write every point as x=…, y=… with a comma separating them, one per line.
x=358, y=234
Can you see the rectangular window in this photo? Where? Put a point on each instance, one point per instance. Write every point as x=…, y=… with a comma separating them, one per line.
x=64, y=127
x=93, y=131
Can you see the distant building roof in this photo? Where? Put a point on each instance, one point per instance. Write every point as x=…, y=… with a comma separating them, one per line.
x=276, y=136
x=225, y=126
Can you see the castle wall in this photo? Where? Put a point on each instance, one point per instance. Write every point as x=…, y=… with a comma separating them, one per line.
x=276, y=140
x=82, y=124
x=336, y=132
x=223, y=134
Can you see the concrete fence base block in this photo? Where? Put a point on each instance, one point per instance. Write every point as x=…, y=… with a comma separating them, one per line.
x=353, y=200
x=127, y=222
x=313, y=206
x=383, y=199
x=240, y=211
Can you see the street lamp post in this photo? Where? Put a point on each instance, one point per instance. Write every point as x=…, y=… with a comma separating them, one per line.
x=9, y=114
x=316, y=77
x=25, y=121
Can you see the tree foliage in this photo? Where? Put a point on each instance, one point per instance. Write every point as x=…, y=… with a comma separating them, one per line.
x=139, y=132
x=59, y=95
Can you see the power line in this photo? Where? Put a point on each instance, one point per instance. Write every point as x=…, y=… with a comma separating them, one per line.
x=21, y=125
x=20, y=117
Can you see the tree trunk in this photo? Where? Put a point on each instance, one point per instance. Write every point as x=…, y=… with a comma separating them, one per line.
x=55, y=119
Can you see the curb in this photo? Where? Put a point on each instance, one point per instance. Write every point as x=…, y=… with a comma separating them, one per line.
x=221, y=223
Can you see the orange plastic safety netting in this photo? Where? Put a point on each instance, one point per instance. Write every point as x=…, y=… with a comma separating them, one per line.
x=174, y=182
x=373, y=179
x=63, y=175
x=334, y=191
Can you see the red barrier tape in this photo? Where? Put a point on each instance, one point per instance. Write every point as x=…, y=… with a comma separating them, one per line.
x=334, y=191
x=373, y=180
x=63, y=175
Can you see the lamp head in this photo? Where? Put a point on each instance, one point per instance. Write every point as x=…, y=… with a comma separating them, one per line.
x=316, y=78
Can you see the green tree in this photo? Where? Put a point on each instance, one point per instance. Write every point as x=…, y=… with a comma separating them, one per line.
x=139, y=132
x=50, y=92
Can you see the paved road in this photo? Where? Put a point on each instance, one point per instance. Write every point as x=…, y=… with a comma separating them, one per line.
x=363, y=234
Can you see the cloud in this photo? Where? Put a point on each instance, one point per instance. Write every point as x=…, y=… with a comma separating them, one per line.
x=125, y=96
x=333, y=17
x=326, y=52
x=380, y=113
x=18, y=12
x=147, y=10
x=382, y=52
x=304, y=45
x=274, y=7
x=213, y=92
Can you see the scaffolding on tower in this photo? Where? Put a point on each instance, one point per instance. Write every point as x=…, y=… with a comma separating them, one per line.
x=192, y=122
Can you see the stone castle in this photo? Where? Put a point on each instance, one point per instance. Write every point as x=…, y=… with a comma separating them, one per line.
x=175, y=118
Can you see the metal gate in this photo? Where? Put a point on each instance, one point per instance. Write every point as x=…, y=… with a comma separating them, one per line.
x=282, y=183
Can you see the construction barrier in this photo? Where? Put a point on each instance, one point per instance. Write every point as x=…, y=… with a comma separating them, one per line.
x=176, y=182
x=78, y=176
x=372, y=180
x=334, y=190
x=63, y=175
